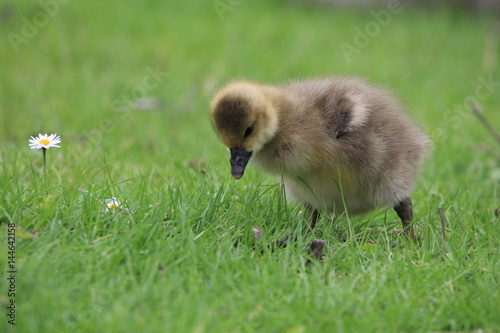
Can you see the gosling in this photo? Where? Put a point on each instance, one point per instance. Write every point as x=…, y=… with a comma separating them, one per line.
x=339, y=144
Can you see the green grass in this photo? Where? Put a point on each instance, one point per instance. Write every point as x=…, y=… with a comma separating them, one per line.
x=180, y=255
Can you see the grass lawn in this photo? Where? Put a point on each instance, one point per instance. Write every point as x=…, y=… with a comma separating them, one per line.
x=178, y=254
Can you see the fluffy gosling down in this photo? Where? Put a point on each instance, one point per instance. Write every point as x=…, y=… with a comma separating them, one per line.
x=339, y=144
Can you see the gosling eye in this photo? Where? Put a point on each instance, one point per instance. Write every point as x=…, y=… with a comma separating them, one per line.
x=248, y=132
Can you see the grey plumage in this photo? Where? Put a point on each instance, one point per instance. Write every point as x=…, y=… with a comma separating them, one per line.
x=339, y=144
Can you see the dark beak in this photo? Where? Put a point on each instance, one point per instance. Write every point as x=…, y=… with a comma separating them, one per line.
x=239, y=160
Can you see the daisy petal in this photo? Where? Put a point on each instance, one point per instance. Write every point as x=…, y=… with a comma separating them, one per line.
x=45, y=141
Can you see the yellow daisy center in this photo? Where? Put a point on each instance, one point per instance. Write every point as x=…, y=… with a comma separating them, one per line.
x=112, y=206
x=44, y=141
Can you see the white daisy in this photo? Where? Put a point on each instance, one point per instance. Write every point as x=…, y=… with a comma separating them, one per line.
x=45, y=141
x=112, y=204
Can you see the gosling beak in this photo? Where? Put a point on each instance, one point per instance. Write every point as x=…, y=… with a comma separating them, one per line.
x=239, y=160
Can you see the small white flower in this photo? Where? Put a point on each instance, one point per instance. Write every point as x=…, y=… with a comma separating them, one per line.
x=45, y=141
x=112, y=204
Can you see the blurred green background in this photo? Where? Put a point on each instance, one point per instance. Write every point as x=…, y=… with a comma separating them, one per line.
x=127, y=84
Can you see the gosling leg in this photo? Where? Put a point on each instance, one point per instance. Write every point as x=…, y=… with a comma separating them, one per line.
x=314, y=216
x=404, y=209
x=282, y=243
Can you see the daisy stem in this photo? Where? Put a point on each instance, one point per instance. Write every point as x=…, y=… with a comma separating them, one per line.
x=44, y=150
x=44, y=162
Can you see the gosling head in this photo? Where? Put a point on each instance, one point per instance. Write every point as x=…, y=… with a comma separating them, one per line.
x=245, y=120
